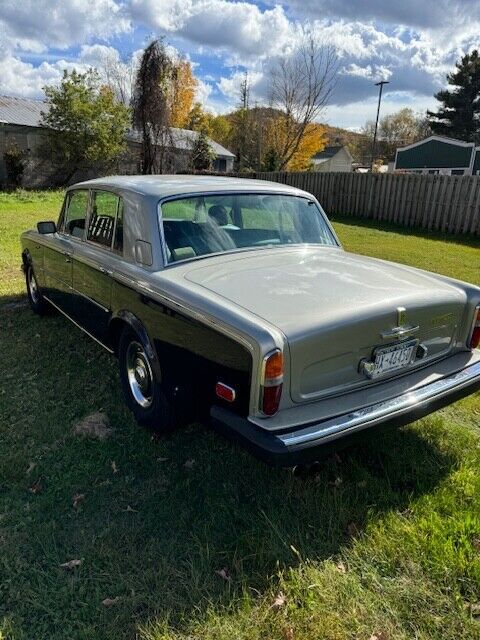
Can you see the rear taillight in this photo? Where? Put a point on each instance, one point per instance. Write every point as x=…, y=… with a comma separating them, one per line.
x=272, y=382
x=474, y=340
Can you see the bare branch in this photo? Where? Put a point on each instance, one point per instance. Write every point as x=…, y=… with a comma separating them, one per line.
x=301, y=86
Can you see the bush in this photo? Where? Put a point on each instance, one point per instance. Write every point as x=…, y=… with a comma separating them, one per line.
x=15, y=165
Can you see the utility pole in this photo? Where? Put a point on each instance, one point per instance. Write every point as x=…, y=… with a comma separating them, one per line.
x=377, y=84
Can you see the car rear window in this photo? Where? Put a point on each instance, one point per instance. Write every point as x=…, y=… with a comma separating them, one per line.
x=218, y=223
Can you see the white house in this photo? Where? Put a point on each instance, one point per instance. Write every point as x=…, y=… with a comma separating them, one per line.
x=335, y=158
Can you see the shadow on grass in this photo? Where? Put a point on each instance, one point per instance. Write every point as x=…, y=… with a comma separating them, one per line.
x=467, y=240
x=150, y=529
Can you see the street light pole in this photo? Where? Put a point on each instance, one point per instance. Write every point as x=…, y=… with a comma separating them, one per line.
x=377, y=84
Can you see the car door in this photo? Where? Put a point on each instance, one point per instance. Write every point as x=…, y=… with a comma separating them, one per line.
x=59, y=250
x=93, y=263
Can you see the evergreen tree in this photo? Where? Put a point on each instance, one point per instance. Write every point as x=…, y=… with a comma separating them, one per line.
x=459, y=117
x=202, y=154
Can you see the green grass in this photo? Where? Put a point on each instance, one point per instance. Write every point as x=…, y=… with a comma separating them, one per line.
x=384, y=539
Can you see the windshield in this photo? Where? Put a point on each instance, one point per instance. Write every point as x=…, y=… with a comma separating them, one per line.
x=217, y=223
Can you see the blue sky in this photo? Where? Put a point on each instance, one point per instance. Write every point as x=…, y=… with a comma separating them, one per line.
x=411, y=43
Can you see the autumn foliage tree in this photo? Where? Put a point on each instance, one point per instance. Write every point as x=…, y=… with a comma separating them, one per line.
x=182, y=94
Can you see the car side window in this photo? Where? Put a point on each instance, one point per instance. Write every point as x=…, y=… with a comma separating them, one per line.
x=118, y=238
x=102, y=218
x=75, y=213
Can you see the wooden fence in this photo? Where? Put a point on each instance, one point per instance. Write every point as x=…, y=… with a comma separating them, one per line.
x=445, y=203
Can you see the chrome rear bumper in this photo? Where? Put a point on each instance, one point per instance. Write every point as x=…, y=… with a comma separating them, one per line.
x=303, y=442
x=376, y=413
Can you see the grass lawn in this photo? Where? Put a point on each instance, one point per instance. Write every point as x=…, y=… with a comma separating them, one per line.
x=188, y=536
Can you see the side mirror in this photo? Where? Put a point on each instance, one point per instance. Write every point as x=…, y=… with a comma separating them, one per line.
x=46, y=227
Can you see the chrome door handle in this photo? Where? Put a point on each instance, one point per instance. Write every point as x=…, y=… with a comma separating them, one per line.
x=400, y=332
x=107, y=272
x=68, y=256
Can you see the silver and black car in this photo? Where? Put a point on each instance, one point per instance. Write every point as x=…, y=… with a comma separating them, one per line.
x=234, y=299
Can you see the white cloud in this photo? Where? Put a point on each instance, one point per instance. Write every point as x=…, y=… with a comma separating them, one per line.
x=20, y=78
x=36, y=25
x=239, y=28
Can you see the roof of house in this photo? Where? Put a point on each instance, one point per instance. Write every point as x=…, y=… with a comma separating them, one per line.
x=328, y=152
x=27, y=112
x=435, y=152
x=22, y=111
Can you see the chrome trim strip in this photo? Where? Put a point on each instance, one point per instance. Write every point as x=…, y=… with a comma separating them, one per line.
x=78, y=325
x=370, y=415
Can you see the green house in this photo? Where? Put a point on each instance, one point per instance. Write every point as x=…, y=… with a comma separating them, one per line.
x=439, y=155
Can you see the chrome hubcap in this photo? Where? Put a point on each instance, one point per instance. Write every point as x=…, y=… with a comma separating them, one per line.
x=139, y=372
x=32, y=286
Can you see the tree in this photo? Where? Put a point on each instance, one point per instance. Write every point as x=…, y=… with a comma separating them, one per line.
x=459, y=115
x=395, y=130
x=151, y=106
x=301, y=86
x=86, y=126
x=312, y=141
x=118, y=74
x=197, y=118
x=202, y=154
x=184, y=86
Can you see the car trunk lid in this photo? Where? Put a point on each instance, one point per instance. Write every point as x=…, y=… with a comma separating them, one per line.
x=336, y=309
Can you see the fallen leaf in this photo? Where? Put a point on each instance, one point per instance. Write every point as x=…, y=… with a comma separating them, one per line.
x=337, y=482
x=114, y=467
x=474, y=608
x=288, y=633
x=353, y=529
x=130, y=510
x=95, y=425
x=224, y=574
x=36, y=487
x=189, y=464
x=362, y=484
x=30, y=468
x=108, y=602
x=71, y=564
x=341, y=567
x=379, y=635
x=77, y=498
x=279, y=601
x=476, y=543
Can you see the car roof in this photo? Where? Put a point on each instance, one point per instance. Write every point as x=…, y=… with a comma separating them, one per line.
x=171, y=185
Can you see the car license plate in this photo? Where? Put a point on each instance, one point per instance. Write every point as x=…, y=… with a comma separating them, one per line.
x=392, y=358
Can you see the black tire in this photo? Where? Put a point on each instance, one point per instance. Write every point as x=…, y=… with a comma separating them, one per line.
x=143, y=393
x=37, y=302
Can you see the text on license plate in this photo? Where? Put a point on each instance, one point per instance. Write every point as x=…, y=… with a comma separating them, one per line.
x=394, y=357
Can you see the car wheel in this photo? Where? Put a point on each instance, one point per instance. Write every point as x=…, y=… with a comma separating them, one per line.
x=143, y=393
x=37, y=302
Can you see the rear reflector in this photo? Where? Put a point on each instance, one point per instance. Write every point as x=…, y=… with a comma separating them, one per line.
x=475, y=332
x=272, y=383
x=225, y=392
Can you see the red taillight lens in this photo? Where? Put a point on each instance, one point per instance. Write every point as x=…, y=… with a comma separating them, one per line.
x=271, y=399
x=475, y=333
x=272, y=383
